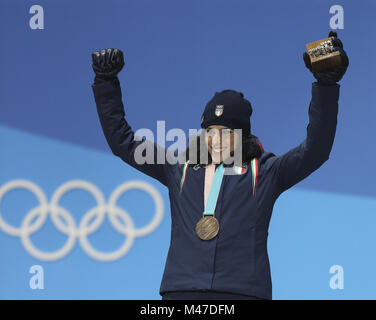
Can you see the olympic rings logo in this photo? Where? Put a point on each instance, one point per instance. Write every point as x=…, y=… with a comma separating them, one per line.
x=69, y=227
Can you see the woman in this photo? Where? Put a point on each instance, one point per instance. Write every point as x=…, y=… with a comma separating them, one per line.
x=221, y=206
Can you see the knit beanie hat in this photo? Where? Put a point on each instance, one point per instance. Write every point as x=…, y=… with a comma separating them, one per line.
x=228, y=108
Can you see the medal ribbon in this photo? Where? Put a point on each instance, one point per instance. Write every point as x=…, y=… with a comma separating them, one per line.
x=254, y=177
x=214, y=190
x=182, y=180
x=254, y=166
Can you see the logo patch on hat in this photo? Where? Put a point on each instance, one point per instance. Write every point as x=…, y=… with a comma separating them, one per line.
x=219, y=110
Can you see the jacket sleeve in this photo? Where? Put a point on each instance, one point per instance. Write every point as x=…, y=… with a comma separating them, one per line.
x=301, y=161
x=120, y=136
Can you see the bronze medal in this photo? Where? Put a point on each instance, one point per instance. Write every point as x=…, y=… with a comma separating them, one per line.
x=207, y=227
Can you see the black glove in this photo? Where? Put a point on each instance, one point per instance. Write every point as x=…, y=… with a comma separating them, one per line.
x=333, y=75
x=107, y=63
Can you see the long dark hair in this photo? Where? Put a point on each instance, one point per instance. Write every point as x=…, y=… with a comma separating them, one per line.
x=250, y=149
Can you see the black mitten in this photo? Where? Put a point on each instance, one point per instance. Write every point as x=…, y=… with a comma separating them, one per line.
x=107, y=63
x=333, y=75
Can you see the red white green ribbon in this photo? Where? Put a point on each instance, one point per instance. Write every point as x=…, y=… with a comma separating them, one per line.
x=254, y=167
x=182, y=180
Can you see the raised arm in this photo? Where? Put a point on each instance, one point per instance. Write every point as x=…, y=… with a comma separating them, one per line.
x=119, y=135
x=301, y=161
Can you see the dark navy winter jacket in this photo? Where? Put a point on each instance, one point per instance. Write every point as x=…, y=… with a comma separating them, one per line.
x=236, y=260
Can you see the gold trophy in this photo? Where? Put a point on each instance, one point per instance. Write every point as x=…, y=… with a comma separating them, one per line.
x=322, y=55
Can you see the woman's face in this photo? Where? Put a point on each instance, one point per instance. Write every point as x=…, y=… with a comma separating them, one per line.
x=221, y=141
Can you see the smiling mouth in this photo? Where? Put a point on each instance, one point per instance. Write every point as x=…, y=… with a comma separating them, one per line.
x=218, y=149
